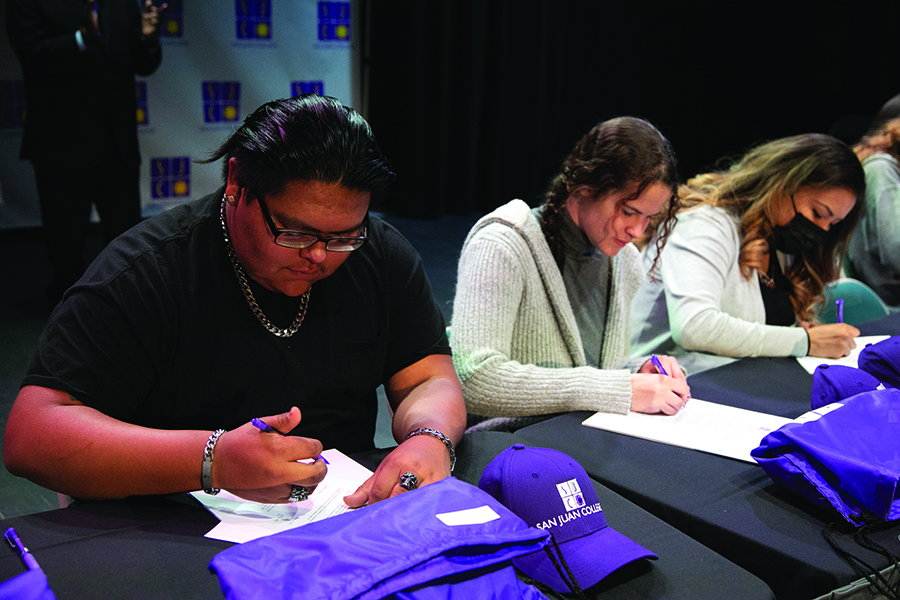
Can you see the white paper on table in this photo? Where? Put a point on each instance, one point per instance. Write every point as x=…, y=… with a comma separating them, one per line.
x=700, y=425
x=243, y=520
x=852, y=360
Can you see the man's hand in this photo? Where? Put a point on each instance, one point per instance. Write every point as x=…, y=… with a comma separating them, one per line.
x=262, y=466
x=424, y=456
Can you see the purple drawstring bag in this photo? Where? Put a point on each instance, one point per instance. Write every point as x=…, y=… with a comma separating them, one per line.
x=439, y=541
x=848, y=459
x=845, y=456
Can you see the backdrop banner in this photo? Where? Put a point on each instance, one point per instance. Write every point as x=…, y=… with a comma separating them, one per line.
x=221, y=60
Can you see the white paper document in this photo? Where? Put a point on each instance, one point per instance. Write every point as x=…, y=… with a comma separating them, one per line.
x=811, y=362
x=700, y=425
x=243, y=520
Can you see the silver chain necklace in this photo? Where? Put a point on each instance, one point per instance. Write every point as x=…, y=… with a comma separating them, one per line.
x=248, y=293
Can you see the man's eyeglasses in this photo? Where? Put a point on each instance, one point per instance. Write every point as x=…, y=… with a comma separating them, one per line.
x=300, y=239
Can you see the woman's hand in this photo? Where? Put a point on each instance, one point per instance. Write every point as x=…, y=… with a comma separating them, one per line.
x=831, y=341
x=653, y=392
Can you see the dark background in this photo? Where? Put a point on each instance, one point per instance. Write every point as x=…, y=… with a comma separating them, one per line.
x=477, y=102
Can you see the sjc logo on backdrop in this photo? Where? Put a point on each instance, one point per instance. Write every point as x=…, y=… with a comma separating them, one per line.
x=334, y=21
x=221, y=101
x=307, y=87
x=143, y=115
x=253, y=19
x=170, y=177
x=173, y=19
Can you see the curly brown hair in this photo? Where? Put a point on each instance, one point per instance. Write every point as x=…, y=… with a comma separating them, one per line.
x=621, y=154
x=757, y=185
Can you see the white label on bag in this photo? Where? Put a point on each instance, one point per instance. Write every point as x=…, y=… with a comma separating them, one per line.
x=815, y=415
x=470, y=516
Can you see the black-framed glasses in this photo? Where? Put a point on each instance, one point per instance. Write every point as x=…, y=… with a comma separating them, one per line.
x=298, y=240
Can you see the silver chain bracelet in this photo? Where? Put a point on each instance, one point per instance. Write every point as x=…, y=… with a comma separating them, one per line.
x=206, y=468
x=436, y=434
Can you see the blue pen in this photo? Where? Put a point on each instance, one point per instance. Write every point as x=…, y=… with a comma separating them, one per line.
x=839, y=305
x=17, y=545
x=266, y=428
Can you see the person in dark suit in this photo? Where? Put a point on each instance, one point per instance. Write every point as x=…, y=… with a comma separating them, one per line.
x=79, y=61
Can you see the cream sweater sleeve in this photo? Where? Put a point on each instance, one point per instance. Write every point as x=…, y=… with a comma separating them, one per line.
x=508, y=348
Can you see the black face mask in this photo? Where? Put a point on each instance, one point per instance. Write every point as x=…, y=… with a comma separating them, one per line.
x=799, y=236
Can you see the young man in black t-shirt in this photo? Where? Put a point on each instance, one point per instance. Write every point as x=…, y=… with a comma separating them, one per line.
x=274, y=297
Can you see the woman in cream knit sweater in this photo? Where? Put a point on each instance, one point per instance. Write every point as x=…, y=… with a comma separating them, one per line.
x=541, y=314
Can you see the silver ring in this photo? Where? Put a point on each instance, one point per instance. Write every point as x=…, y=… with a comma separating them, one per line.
x=299, y=493
x=409, y=481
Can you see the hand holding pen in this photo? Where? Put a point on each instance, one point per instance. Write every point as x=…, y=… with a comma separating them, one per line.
x=676, y=368
x=652, y=394
x=258, y=461
x=264, y=427
x=834, y=340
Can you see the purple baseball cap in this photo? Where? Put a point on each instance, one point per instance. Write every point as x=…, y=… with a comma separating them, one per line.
x=551, y=491
x=882, y=361
x=832, y=383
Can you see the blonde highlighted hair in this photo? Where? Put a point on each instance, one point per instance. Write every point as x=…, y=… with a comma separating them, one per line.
x=755, y=187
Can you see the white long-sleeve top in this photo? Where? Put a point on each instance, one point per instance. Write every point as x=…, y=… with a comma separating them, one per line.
x=702, y=305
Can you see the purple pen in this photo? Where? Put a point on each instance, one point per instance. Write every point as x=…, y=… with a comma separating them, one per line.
x=266, y=428
x=655, y=360
x=17, y=545
x=839, y=305
x=263, y=426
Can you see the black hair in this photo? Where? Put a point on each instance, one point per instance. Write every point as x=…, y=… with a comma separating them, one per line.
x=305, y=138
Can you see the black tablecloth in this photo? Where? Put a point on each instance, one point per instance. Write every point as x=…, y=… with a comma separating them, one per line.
x=778, y=386
x=730, y=506
x=154, y=547
x=149, y=547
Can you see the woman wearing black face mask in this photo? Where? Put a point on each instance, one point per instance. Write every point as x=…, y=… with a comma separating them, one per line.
x=751, y=252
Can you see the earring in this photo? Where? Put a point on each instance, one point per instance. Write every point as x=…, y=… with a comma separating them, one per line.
x=230, y=200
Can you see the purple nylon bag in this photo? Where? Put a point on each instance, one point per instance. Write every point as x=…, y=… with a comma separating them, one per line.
x=30, y=585
x=848, y=459
x=398, y=548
